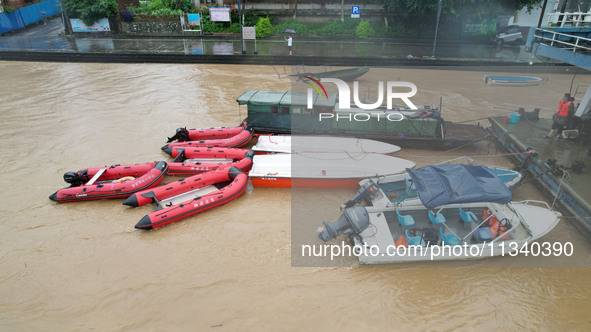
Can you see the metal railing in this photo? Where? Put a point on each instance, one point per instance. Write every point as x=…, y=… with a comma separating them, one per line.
x=574, y=19
x=563, y=40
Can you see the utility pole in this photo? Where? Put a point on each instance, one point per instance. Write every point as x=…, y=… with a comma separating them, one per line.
x=437, y=27
x=542, y=13
x=240, y=22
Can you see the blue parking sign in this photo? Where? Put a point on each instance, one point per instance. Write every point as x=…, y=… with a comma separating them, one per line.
x=355, y=11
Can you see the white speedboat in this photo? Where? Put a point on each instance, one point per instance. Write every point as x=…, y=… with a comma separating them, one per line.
x=324, y=144
x=460, y=219
x=322, y=170
x=512, y=80
x=397, y=189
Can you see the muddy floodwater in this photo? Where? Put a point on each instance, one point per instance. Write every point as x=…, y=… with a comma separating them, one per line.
x=83, y=267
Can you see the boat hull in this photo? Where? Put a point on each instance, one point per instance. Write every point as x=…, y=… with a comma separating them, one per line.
x=322, y=170
x=512, y=80
x=536, y=221
x=194, y=206
x=391, y=190
x=187, y=160
x=324, y=144
x=193, y=168
x=145, y=176
x=215, y=133
x=281, y=182
x=181, y=186
x=236, y=141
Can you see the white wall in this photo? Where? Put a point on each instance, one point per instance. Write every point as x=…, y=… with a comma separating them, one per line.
x=531, y=19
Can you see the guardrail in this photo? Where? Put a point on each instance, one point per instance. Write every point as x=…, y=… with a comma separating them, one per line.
x=574, y=19
x=562, y=40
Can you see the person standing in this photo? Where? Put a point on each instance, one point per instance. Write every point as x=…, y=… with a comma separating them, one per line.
x=560, y=118
x=289, y=43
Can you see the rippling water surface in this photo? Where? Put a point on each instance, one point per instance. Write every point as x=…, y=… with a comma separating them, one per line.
x=82, y=266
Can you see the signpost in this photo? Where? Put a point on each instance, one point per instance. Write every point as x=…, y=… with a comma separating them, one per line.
x=250, y=33
x=193, y=20
x=355, y=11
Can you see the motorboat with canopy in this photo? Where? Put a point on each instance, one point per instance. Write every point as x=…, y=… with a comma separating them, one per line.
x=399, y=188
x=464, y=207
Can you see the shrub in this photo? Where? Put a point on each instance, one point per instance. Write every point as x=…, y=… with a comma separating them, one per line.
x=338, y=27
x=209, y=26
x=174, y=5
x=90, y=11
x=250, y=19
x=8, y=9
x=164, y=8
x=126, y=15
x=264, y=27
x=300, y=28
x=364, y=30
x=234, y=27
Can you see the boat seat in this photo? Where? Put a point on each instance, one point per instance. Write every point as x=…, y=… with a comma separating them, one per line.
x=449, y=239
x=467, y=216
x=405, y=220
x=414, y=240
x=484, y=234
x=409, y=188
x=439, y=219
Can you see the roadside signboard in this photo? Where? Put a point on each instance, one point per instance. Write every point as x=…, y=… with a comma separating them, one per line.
x=193, y=19
x=100, y=25
x=355, y=11
x=219, y=14
x=249, y=33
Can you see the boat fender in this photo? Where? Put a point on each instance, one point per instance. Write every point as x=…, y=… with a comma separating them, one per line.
x=233, y=172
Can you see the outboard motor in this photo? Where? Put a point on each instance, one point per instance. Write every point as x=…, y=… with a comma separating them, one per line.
x=76, y=179
x=354, y=220
x=181, y=135
x=368, y=190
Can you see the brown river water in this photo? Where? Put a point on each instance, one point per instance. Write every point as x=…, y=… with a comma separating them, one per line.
x=83, y=267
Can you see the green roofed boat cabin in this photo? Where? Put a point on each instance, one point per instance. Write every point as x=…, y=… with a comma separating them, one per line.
x=281, y=112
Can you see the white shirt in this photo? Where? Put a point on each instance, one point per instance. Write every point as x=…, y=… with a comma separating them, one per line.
x=289, y=41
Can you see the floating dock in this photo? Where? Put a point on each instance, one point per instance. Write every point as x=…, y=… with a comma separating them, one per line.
x=561, y=181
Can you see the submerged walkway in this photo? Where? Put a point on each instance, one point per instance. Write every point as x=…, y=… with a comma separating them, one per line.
x=49, y=42
x=555, y=168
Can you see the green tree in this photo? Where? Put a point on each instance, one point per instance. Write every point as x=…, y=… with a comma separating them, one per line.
x=264, y=27
x=90, y=11
x=480, y=8
x=364, y=30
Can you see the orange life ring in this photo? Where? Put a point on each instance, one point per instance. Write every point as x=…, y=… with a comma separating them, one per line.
x=123, y=179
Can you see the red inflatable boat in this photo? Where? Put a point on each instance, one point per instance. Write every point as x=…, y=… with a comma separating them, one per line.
x=110, y=182
x=241, y=139
x=189, y=196
x=193, y=161
x=184, y=134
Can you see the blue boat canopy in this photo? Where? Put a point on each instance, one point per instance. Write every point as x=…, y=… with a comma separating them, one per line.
x=455, y=184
